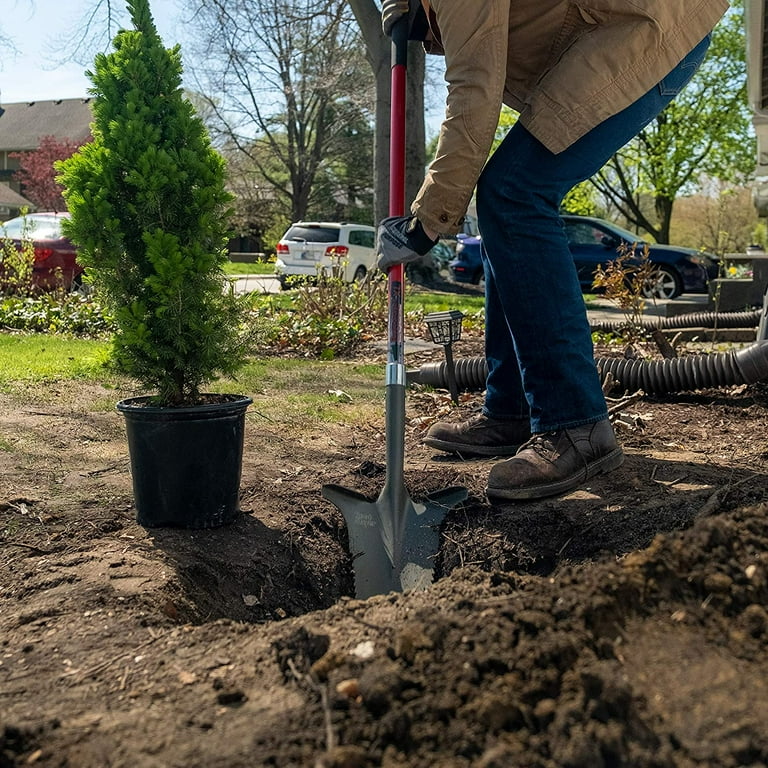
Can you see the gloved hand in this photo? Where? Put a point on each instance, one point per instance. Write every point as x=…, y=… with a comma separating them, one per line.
x=391, y=11
x=401, y=240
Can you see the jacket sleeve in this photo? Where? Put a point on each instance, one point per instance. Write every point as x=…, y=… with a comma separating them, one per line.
x=474, y=36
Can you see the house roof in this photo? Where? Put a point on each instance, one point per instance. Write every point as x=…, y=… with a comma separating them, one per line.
x=12, y=199
x=23, y=124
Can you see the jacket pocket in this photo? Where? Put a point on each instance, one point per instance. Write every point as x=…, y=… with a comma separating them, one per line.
x=679, y=77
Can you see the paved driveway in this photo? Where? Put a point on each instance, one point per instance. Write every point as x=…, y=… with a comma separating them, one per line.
x=256, y=284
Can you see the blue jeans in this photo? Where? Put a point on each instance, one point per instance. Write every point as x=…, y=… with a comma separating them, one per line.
x=538, y=344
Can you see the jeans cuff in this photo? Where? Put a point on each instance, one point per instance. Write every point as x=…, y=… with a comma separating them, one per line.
x=505, y=417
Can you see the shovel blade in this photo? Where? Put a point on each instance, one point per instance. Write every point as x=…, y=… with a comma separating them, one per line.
x=393, y=540
x=374, y=571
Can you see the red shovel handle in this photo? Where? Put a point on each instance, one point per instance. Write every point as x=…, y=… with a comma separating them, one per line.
x=397, y=119
x=396, y=274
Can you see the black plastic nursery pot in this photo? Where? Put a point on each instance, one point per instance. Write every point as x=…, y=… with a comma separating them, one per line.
x=186, y=462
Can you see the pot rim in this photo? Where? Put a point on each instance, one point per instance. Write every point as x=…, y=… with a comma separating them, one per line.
x=138, y=405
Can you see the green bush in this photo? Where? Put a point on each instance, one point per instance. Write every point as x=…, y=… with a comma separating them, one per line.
x=326, y=318
x=150, y=215
x=67, y=313
x=16, y=265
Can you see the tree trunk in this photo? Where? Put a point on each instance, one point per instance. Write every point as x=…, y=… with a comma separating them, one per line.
x=378, y=50
x=415, y=132
x=664, y=216
x=380, y=168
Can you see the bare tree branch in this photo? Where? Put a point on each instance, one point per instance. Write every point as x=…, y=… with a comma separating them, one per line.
x=290, y=80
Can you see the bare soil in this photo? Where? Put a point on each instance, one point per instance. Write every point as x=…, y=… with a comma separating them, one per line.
x=624, y=624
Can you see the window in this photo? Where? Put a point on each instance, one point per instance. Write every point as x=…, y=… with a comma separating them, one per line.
x=582, y=233
x=310, y=234
x=39, y=228
x=363, y=237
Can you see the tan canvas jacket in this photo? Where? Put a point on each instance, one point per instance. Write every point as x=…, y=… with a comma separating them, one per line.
x=564, y=65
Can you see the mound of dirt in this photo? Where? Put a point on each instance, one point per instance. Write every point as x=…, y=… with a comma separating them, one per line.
x=624, y=624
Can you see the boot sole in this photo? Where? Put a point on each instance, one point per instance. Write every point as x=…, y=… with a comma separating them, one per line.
x=604, y=464
x=471, y=450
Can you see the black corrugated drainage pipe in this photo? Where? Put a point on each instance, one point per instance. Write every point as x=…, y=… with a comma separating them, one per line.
x=681, y=374
x=691, y=320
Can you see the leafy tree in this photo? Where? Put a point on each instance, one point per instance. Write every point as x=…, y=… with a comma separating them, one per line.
x=344, y=184
x=37, y=173
x=378, y=49
x=720, y=219
x=149, y=213
x=102, y=15
x=580, y=200
x=705, y=131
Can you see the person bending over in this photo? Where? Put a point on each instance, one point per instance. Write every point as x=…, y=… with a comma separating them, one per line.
x=585, y=79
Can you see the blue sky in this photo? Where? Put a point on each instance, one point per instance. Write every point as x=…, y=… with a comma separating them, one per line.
x=36, y=27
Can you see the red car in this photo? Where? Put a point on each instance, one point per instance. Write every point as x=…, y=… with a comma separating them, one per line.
x=55, y=256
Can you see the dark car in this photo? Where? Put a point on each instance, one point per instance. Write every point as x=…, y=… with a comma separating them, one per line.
x=595, y=242
x=467, y=267
x=55, y=262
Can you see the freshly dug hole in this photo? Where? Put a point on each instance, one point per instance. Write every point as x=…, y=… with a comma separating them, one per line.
x=251, y=572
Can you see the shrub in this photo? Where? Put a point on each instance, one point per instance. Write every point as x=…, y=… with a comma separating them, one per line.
x=16, y=265
x=625, y=280
x=67, y=313
x=149, y=214
x=327, y=317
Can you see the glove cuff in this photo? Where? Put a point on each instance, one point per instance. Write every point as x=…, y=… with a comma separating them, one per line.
x=421, y=242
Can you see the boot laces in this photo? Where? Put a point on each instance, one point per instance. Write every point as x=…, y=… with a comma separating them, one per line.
x=544, y=444
x=552, y=445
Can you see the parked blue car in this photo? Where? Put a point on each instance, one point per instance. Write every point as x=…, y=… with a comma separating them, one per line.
x=595, y=242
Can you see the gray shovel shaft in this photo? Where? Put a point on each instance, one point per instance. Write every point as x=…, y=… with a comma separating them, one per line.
x=394, y=484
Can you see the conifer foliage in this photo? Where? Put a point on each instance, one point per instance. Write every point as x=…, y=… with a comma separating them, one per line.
x=149, y=214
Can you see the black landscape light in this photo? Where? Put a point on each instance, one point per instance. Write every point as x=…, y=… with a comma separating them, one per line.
x=445, y=328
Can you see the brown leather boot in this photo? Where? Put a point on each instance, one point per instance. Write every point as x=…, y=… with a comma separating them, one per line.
x=479, y=435
x=555, y=462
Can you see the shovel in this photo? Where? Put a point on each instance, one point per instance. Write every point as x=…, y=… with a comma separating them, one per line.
x=394, y=539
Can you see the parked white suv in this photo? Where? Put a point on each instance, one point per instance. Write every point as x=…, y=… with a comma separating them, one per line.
x=309, y=247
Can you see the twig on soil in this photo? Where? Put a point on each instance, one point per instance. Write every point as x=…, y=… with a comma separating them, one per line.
x=459, y=548
x=608, y=382
x=104, y=470
x=570, y=539
x=667, y=350
x=713, y=502
x=262, y=416
x=322, y=690
x=626, y=401
x=27, y=546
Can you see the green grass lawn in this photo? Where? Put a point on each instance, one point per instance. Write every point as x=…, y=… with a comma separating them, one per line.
x=293, y=391
x=249, y=268
x=41, y=357
x=469, y=304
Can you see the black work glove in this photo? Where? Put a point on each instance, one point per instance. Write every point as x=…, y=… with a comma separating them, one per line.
x=392, y=11
x=401, y=240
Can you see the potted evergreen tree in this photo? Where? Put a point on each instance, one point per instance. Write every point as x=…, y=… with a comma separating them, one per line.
x=149, y=212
